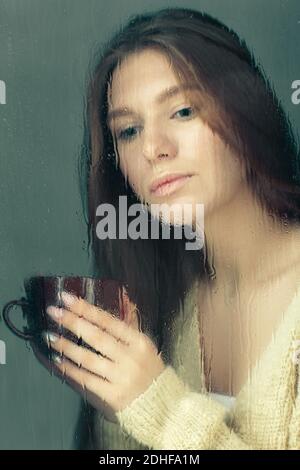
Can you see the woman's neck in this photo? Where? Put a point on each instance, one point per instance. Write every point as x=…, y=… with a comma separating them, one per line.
x=244, y=244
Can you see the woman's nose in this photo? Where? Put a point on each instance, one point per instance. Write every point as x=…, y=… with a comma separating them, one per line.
x=158, y=146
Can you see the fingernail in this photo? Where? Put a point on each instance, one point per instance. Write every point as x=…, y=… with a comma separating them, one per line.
x=57, y=358
x=68, y=299
x=55, y=312
x=50, y=337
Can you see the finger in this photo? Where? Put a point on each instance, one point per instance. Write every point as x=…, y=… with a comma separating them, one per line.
x=105, y=320
x=91, y=334
x=84, y=381
x=49, y=364
x=81, y=356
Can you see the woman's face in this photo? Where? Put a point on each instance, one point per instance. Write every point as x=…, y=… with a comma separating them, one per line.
x=158, y=134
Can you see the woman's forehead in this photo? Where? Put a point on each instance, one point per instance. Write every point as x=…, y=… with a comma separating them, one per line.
x=140, y=68
x=151, y=83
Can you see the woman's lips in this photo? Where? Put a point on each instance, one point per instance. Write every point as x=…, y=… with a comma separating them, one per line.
x=171, y=186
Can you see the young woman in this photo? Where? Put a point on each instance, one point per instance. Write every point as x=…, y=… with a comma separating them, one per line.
x=178, y=112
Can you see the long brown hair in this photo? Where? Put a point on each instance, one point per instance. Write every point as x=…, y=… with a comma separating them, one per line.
x=237, y=102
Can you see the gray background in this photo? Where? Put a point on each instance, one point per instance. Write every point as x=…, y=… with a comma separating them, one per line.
x=44, y=51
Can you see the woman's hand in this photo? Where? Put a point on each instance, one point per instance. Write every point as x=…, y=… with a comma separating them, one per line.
x=126, y=362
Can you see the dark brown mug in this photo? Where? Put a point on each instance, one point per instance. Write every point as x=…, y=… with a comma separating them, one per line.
x=42, y=291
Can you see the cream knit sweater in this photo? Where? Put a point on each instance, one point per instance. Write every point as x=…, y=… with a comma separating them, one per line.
x=176, y=411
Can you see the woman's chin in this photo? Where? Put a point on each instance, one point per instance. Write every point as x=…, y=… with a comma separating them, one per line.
x=174, y=214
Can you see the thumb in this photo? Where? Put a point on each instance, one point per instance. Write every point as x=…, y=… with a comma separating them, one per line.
x=131, y=315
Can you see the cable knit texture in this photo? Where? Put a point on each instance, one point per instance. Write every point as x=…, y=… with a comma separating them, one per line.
x=176, y=411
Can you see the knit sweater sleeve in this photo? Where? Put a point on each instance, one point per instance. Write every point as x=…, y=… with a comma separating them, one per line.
x=168, y=415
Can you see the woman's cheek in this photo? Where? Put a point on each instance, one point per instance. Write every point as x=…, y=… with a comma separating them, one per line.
x=132, y=178
x=136, y=178
x=125, y=169
x=135, y=174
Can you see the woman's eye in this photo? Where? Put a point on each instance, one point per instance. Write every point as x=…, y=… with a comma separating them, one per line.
x=126, y=134
x=130, y=132
x=187, y=111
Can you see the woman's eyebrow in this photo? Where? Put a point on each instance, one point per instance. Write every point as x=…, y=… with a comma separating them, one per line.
x=160, y=98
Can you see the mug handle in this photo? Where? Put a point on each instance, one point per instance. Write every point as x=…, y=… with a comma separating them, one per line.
x=7, y=320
